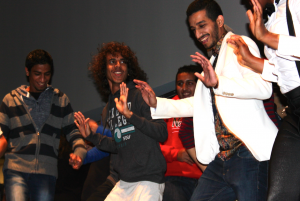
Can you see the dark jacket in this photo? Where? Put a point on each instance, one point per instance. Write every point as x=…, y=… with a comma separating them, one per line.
x=135, y=140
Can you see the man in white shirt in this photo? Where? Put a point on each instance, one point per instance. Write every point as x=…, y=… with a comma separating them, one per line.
x=232, y=131
x=282, y=51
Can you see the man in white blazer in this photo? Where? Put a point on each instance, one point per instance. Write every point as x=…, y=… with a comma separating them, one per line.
x=233, y=133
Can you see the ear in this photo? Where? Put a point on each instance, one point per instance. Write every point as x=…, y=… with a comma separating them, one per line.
x=220, y=21
x=26, y=71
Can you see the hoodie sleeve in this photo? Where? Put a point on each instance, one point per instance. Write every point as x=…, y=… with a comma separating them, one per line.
x=103, y=142
x=154, y=128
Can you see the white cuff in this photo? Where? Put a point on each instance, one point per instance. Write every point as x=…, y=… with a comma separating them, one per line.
x=267, y=73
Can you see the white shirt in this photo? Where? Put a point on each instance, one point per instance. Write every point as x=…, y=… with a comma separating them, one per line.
x=281, y=66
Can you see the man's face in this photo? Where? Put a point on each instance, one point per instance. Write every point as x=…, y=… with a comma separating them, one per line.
x=39, y=77
x=116, y=71
x=185, y=85
x=206, y=31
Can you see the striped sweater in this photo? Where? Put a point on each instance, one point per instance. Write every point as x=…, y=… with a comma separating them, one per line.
x=32, y=148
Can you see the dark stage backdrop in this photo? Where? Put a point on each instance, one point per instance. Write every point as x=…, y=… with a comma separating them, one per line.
x=72, y=30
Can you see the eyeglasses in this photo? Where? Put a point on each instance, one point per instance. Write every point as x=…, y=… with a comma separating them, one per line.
x=115, y=61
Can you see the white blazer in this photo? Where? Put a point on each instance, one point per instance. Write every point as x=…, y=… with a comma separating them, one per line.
x=239, y=101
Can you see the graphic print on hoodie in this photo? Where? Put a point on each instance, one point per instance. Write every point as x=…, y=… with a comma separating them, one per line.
x=121, y=127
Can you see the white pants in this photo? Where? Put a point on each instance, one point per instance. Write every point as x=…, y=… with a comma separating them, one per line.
x=133, y=191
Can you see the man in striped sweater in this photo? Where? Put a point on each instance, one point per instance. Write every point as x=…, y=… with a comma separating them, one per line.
x=32, y=119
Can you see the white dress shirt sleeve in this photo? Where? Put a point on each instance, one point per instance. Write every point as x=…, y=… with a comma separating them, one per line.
x=289, y=47
x=168, y=108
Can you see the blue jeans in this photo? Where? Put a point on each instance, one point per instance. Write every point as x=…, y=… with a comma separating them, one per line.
x=179, y=188
x=241, y=178
x=21, y=186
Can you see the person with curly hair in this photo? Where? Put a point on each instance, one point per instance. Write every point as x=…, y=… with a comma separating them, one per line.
x=135, y=136
x=98, y=67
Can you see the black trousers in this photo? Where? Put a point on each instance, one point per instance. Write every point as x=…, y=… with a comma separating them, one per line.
x=102, y=191
x=284, y=174
x=98, y=172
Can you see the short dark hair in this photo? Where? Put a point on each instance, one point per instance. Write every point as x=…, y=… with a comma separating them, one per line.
x=98, y=66
x=189, y=69
x=213, y=10
x=38, y=56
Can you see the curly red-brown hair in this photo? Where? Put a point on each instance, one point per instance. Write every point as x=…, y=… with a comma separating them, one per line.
x=98, y=66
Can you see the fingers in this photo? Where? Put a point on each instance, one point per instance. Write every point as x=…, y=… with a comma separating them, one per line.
x=199, y=76
x=257, y=7
x=87, y=120
x=140, y=84
x=185, y=157
x=198, y=58
x=75, y=161
x=189, y=161
x=236, y=41
x=79, y=117
x=72, y=159
x=126, y=92
x=122, y=88
x=146, y=89
x=250, y=16
x=76, y=123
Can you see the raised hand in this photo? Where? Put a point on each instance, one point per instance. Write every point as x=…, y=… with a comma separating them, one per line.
x=256, y=25
x=183, y=156
x=121, y=103
x=147, y=93
x=82, y=124
x=258, y=28
x=244, y=56
x=75, y=161
x=210, y=78
x=240, y=49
